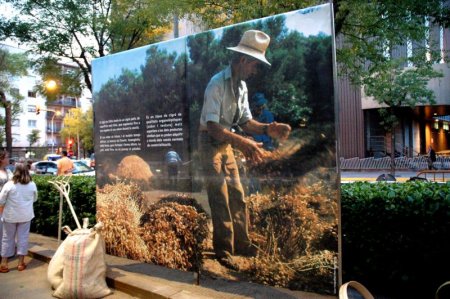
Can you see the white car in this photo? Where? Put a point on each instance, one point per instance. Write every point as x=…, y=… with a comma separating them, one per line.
x=51, y=168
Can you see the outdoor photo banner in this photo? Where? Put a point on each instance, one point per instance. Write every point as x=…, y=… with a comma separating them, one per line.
x=171, y=194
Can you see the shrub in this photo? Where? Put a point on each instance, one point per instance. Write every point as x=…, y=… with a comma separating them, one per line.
x=396, y=236
x=46, y=208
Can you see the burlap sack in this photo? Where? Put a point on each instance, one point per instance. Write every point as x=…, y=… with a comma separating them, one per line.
x=78, y=268
x=55, y=267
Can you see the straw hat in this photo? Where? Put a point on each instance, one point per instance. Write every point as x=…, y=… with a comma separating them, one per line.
x=253, y=43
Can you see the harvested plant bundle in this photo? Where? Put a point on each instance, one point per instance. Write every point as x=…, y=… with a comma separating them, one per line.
x=311, y=272
x=118, y=210
x=134, y=169
x=296, y=234
x=174, y=234
x=183, y=199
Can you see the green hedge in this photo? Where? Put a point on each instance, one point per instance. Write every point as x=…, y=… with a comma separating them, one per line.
x=396, y=237
x=46, y=208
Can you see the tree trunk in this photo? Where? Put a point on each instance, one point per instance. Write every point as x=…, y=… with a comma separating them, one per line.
x=8, y=135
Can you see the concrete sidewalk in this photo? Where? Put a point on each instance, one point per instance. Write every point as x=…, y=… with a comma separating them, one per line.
x=132, y=279
x=32, y=283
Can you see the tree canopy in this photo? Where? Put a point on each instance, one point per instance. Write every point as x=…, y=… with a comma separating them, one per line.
x=219, y=13
x=80, y=126
x=66, y=79
x=81, y=30
x=389, y=49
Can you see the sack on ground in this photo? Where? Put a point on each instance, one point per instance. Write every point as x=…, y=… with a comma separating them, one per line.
x=78, y=268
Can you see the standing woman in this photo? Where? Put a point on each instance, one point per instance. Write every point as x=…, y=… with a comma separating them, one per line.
x=5, y=176
x=17, y=197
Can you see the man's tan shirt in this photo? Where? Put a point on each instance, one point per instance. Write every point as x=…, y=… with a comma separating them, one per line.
x=65, y=166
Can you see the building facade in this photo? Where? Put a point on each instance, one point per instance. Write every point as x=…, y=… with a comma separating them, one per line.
x=36, y=114
x=361, y=134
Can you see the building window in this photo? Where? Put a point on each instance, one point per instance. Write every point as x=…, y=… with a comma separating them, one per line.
x=436, y=125
x=32, y=108
x=31, y=123
x=445, y=126
x=15, y=122
x=31, y=94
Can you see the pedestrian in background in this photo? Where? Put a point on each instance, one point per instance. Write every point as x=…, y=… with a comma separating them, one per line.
x=261, y=114
x=11, y=166
x=29, y=163
x=173, y=161
x=65, y=165
x=5, y=176
x=431, y=158
x=16, y=199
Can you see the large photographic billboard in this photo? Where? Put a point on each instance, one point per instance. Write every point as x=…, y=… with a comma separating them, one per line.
x=196, y=167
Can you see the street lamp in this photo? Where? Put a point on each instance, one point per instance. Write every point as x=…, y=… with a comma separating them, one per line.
x=50, y=85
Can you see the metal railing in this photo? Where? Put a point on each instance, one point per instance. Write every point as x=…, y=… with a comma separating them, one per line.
x=401, y=163
x=435, y=175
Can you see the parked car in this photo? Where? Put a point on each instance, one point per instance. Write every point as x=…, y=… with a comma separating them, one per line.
x=52, y=157
x=51, y=168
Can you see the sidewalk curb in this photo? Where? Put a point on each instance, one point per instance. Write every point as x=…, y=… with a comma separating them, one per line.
x=124, y=281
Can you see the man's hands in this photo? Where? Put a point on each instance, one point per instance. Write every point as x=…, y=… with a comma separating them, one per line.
x=275, y=130
x=279, y=131
x=252, y=150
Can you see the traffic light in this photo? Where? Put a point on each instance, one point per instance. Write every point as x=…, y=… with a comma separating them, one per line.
x=38, y=110
x=69, y=147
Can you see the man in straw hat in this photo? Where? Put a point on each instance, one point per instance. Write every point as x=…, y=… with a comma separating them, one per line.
x=226, y=107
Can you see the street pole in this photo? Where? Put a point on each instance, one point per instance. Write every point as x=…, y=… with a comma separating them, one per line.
x=78, y=135
x=52, y=124
x=60, y=216
x=53, y=140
